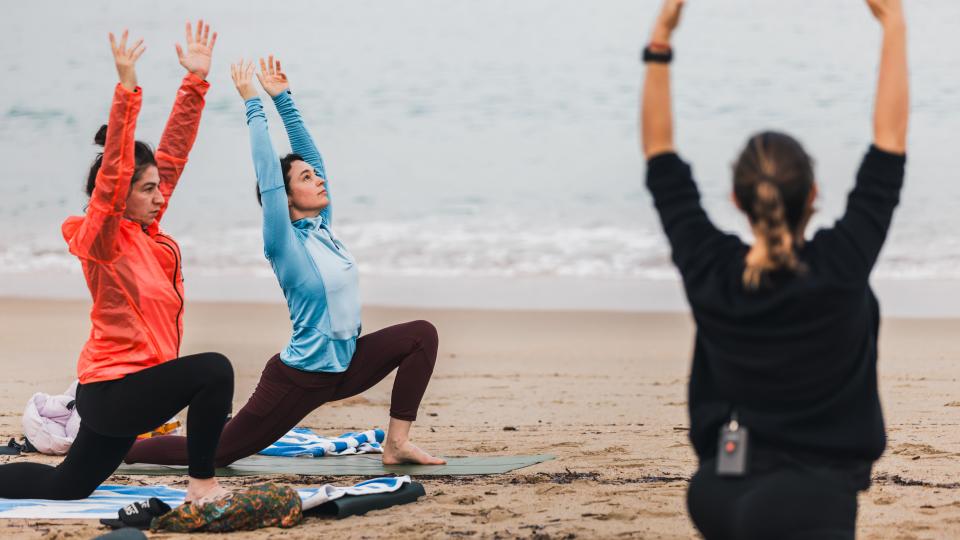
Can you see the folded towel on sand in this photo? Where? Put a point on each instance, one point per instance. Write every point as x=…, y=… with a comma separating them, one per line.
x=302, y=442
x=327, y=492
x=108, y=499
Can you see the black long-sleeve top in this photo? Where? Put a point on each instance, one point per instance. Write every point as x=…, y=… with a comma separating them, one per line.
x=796, y=360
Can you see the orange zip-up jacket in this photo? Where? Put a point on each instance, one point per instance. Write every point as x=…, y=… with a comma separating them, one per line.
x=133, y=273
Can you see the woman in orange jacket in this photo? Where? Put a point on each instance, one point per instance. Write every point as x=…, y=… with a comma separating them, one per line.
x=131, y=379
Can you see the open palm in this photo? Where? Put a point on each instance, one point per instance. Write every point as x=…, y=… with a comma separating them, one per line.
x=126, y=58
x=242, y=74
x=196, y=59
x=272, y=77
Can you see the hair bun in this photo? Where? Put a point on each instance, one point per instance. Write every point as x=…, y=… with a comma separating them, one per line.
x=101, y=137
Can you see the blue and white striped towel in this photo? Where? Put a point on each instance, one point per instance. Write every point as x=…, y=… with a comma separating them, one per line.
x=103, y=503
x=301, y=442
x=107, y=500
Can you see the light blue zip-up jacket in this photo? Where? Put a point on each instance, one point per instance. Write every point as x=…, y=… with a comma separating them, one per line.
x=318, y=275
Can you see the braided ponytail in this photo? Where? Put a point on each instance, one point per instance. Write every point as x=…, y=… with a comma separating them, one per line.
x=772, y=182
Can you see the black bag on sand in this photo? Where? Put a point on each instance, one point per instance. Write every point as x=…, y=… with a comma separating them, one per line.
x=357, y=505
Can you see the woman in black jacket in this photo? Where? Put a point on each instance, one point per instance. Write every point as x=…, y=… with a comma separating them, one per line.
x=784, y=412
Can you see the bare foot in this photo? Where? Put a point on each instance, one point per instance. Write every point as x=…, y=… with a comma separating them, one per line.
x=205, y=491
x=407, y=452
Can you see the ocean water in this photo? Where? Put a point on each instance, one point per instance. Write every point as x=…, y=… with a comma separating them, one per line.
x=477, y=140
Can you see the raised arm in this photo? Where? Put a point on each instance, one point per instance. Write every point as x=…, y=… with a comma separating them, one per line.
x=181, y=130
x=656, y=112
x=862, y=230
x=279, y=240
x=892, y=106
x=275, y=82
x=97, y=235
x=693, y=237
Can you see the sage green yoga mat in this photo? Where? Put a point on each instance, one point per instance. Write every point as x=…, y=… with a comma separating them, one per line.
x=362, y=465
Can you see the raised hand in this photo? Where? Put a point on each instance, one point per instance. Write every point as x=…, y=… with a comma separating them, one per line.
x=272, y=78
x=126, y=58
x=199, y=51
x=891, y=114
x=886, y=11
x=242, y=75
x=667, y=21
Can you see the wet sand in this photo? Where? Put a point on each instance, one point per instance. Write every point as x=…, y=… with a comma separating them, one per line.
x=604, y=392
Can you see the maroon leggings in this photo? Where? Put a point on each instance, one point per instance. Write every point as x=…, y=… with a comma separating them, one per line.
x=285, y=396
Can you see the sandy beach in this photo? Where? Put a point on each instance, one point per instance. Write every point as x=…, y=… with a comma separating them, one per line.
x=604, y=392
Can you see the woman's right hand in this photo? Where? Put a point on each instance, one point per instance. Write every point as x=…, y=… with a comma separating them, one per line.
x=667, y=21
x=125, y=59
x=886, y=11
x=242, y=75
x=272, y=77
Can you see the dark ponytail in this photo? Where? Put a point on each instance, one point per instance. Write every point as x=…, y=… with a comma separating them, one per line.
x=772, y=181
x=142, y=155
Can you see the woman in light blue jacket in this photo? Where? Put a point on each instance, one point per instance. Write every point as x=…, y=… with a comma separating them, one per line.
x=326, y=359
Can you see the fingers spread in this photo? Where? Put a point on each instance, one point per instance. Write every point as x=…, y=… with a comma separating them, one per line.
x=213, y=41
x=189, y=34
x=137, y=53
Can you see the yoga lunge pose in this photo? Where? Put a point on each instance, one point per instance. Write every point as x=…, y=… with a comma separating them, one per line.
x=325, y=360
x=784, y=413
x=130, y=377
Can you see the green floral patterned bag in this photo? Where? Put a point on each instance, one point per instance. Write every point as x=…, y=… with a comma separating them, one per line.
x=262, y=505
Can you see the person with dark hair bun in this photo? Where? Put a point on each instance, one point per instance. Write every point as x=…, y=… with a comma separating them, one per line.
x=131, y=379
x=326, y=359
x=143, y=158
x=785, y=416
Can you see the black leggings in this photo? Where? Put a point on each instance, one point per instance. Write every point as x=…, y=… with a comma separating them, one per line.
x=113, y=413
x=788, y=502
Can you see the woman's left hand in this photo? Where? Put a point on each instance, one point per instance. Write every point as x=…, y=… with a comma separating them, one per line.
x=272, y=78
x=199, y=51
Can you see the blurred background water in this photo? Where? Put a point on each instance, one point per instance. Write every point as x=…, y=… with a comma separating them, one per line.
x=466, y=139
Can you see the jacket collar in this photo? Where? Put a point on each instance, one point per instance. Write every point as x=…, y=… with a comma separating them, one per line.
x=310, y=224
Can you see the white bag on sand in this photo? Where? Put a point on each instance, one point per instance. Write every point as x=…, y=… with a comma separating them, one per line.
x=51, y=423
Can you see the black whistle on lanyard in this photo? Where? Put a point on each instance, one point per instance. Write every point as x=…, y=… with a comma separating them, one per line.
x=732, y=449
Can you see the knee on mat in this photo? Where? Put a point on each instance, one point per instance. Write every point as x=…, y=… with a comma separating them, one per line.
x=76, y=490
x=427, y=334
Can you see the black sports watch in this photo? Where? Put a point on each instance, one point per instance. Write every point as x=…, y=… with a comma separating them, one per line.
x=657, y=57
